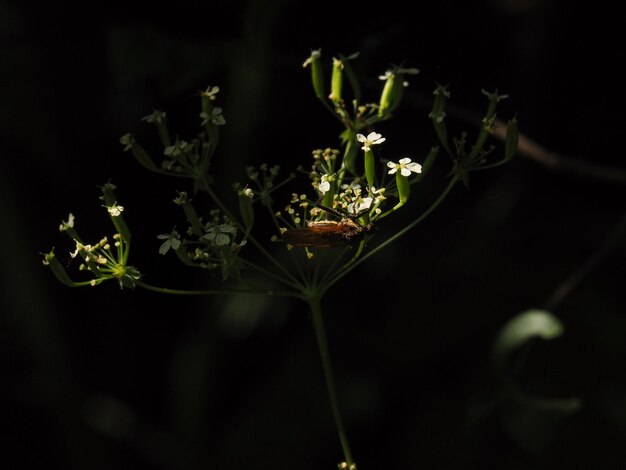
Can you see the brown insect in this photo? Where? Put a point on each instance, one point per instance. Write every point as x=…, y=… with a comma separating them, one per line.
x=328, y=233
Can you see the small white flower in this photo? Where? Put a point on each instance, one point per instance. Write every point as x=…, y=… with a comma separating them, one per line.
x=324, y=185
x=115, y=210
x=359, y=205
x=211, y=92
x=405, y=166
x=67, y=225
x=248, y=192
x=373, y=138
x=386, y=75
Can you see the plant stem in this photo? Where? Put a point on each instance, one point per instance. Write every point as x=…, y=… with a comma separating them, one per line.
x=166, y=290
x=397, y=235
x=322, y=342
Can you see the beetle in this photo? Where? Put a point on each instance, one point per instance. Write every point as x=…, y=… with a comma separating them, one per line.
x=328, y=233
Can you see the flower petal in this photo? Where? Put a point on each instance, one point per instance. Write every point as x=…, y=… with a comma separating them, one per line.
x=372, y=136
x=379, y=141
x=404, y=171
x=405, y=160
x=361, y=138
x=392, y=171
x=391, y=164
x=414, y=167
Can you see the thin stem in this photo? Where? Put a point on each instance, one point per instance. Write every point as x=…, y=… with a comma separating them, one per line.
x=260, y=247
x=322, y=342
x=393, y=238
x=564, y=289
x=268, y=273
x=166, y=290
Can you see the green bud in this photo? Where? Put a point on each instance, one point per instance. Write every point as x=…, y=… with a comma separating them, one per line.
x=317, y=76
x=404, y=188
x=336, y=82
x=370, y=167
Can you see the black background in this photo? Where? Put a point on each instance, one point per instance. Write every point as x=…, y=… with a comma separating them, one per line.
x=102, y=378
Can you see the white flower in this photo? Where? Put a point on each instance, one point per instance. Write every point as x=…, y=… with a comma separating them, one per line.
x=405, y=166
x=248, y=192
x=386, y=75
x=373, y=138
x=359, y=205
x=379, y=194
x=324, y=185
x=115, y=210
x=211, y=92
x=67, y=225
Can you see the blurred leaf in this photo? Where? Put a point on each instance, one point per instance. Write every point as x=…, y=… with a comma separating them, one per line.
x=522, y=328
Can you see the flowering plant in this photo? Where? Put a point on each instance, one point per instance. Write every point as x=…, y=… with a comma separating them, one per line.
x=326, y=228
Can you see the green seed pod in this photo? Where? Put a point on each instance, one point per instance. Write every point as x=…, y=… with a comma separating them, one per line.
x=386, y=97
x=336, y=82
x=317, y=76
x=370, y=167
x=138, y=151
x=352, y=79
x=58, y=270
x=404, y=188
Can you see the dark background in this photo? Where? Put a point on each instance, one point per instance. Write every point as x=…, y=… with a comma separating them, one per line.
x=109, y=379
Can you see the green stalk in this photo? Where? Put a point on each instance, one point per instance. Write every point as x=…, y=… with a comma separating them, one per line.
x=165, y=290
x=322, y=342
x=426, y=213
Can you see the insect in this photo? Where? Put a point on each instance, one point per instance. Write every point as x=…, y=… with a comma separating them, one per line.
x=328, y=233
